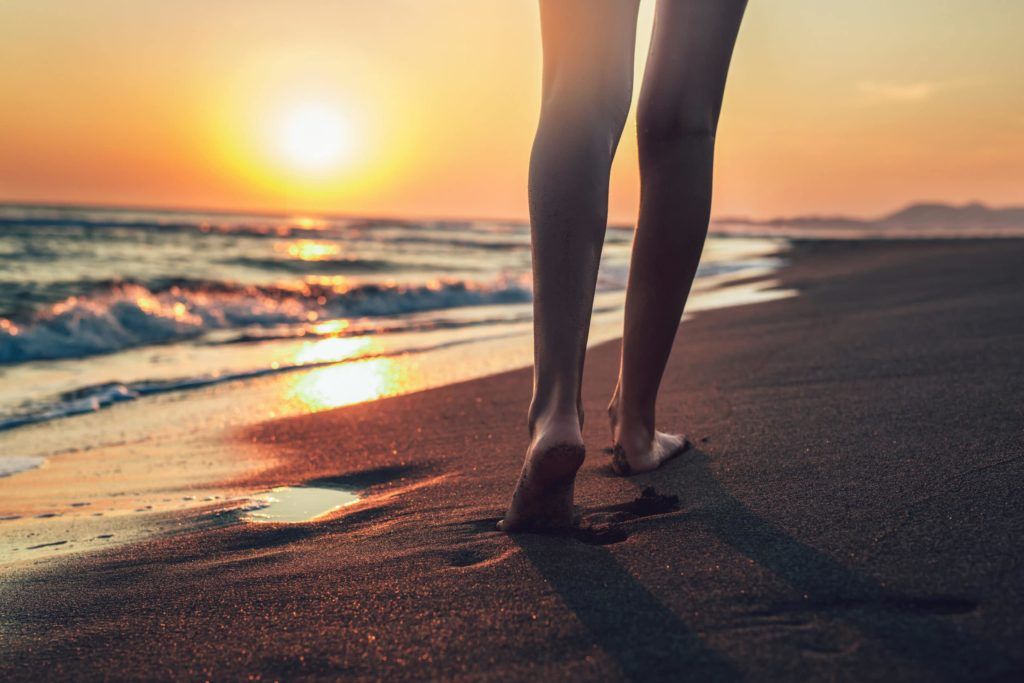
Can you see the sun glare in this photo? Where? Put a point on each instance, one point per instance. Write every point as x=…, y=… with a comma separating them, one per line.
x=309, y=250
x=314, y=137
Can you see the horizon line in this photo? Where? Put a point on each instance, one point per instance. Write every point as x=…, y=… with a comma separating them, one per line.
x=342, y=215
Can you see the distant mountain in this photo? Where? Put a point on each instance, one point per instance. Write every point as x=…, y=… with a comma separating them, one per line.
x=927, y=217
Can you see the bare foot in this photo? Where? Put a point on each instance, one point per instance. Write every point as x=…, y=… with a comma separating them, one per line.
x=542, y=500
x=638, y=447
x=651, y=455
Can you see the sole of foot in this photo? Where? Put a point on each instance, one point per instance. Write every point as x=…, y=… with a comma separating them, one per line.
x=664, y=447
x=542, y=501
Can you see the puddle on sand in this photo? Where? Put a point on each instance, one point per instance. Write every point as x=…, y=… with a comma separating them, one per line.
x=293, y=504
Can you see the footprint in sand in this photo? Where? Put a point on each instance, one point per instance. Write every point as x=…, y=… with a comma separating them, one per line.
x=603, y=526
x=477, y=558
x=466, y=558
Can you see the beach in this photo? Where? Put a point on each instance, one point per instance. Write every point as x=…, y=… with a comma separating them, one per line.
x=851, y=511
x=126, y=370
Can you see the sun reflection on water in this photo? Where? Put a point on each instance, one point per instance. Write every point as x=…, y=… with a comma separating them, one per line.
x=334, y=349
x=348, y=383
x=331, y=326
x=309, y=222
x=363, y=378
x=309, y=250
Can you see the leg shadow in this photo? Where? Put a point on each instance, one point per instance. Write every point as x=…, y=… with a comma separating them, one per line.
x=647, y=640
x=907, y=625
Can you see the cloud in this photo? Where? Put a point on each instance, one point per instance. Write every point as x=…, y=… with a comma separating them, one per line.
x=913, y=91
x=903, y=92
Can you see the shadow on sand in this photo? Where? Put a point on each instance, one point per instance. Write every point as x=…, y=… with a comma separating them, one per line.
x=650, y=641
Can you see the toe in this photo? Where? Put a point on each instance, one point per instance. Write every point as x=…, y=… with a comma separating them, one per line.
x=672, y=446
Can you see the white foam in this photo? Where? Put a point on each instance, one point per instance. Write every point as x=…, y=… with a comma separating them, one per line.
x=130, y=315
x=13, y=464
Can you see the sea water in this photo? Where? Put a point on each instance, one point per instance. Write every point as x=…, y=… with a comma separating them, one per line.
x=101, y=306
x=135, y=345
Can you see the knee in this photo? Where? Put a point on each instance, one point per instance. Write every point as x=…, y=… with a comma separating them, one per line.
x=595, y=107
x=667, y=129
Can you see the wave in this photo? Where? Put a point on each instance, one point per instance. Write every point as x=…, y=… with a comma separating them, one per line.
x=90, y=399
x=123, y=315
x=300, y=267
x=374, y=326
x=449, y=242
x=16, y=219
x=97, y=317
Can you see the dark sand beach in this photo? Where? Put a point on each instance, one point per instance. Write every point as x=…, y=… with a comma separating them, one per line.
x=852, y=511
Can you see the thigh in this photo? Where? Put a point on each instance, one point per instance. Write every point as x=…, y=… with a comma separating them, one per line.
x=688, y=62
x=588, y=44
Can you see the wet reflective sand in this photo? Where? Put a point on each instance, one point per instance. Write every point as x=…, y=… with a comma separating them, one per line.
x=166, y=461
x=294, y=504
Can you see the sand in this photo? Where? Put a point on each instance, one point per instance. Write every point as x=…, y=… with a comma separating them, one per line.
x=169, y=462
x=851, y=511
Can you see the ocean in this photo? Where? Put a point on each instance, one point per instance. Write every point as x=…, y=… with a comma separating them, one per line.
x=103, y=306
x=136, y=344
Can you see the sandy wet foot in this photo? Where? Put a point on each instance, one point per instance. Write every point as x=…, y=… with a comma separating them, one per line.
x=649, y=454
x=542, y=500
x=638, y=447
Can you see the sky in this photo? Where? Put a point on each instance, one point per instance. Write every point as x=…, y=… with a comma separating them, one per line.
x=426, y=108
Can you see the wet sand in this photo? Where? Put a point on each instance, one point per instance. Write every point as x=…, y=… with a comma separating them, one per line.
x=169, y=462
x=852, y=511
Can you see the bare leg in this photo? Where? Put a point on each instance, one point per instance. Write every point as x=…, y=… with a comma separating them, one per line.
x=588, y=74
x=680, y=101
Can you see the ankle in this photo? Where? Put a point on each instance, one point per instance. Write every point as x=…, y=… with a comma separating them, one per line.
x=547, y=411
x=630, y=421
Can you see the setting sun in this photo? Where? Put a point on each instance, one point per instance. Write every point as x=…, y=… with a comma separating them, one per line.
x=314, y=137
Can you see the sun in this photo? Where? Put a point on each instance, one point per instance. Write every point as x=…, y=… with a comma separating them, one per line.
x=314, y=137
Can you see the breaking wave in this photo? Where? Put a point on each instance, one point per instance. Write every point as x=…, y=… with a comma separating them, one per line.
x=90, y=399
x=123, y=315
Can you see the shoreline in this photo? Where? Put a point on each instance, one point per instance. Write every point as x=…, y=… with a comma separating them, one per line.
x=848, y=513
x=167, y=462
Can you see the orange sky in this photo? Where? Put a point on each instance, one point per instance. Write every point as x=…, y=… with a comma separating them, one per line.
x=856, y=108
